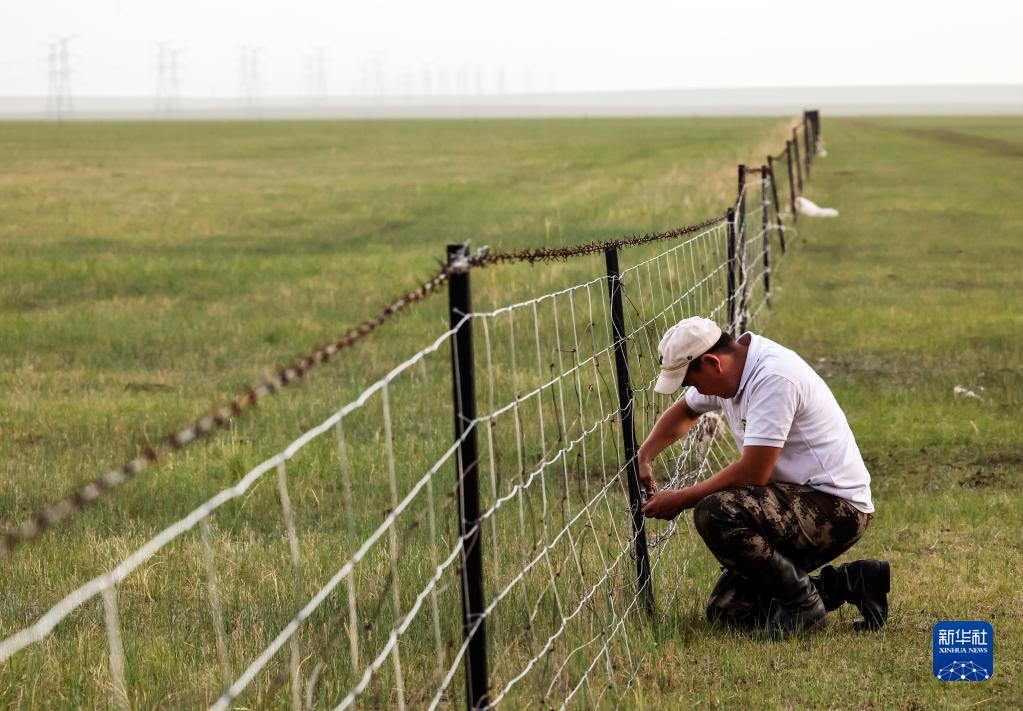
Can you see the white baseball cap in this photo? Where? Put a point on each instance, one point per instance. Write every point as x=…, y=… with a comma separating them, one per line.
x=684, y=342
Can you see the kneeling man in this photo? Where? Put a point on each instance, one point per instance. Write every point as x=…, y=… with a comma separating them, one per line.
x=797, y=498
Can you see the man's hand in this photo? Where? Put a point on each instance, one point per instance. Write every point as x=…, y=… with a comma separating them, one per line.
x=753, y=469
x=670, y=427
x=666, y=504
x=646, y=477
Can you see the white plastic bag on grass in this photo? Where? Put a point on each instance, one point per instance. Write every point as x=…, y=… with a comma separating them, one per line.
x=812, y=209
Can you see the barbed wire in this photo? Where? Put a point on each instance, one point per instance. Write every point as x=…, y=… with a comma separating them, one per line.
x=90, y=493
x=550, y=254
x=797, y=128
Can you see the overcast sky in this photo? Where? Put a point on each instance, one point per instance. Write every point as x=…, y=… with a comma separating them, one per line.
x=417, y=46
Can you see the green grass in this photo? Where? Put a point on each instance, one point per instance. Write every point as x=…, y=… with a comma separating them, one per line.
x=151, y=268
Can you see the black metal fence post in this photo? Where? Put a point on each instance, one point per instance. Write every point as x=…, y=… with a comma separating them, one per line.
x=792, y=185
x=731, y=271
x=625, y=408
x=797, y=161
x=777, y=208
x=807, y=131
x=740, y=233
x=764, y=226
x=468, y=484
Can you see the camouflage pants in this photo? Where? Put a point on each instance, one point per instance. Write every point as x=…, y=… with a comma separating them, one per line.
x=743, y=527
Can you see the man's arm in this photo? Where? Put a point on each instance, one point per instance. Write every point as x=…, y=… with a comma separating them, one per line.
x=671, y=426
x=753, y=468
x=772, y=405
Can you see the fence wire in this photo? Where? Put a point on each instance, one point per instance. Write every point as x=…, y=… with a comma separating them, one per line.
x=350, y=596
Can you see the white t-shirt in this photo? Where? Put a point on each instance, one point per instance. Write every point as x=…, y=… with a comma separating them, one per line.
x=782, y=402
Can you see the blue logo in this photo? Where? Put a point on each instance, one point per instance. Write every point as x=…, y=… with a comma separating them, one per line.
x=964, y=651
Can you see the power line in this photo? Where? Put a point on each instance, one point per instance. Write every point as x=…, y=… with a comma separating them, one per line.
x=58, y=99
x=527, y=80
x=426, y=79
x=316, y=77
x=379, y=84
x=168, y=89
x=249, y=78
x=502, y=81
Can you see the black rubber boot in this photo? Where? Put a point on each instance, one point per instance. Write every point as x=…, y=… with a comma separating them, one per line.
x=863, y=583
x=736, y=602
x=798, y=607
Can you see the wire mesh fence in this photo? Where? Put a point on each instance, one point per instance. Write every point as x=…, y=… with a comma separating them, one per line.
x=389, y=587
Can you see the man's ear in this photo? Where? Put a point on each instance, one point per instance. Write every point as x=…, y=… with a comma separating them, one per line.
x=709, y=360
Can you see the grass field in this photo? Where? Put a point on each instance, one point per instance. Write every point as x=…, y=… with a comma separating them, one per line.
x=150, y=269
